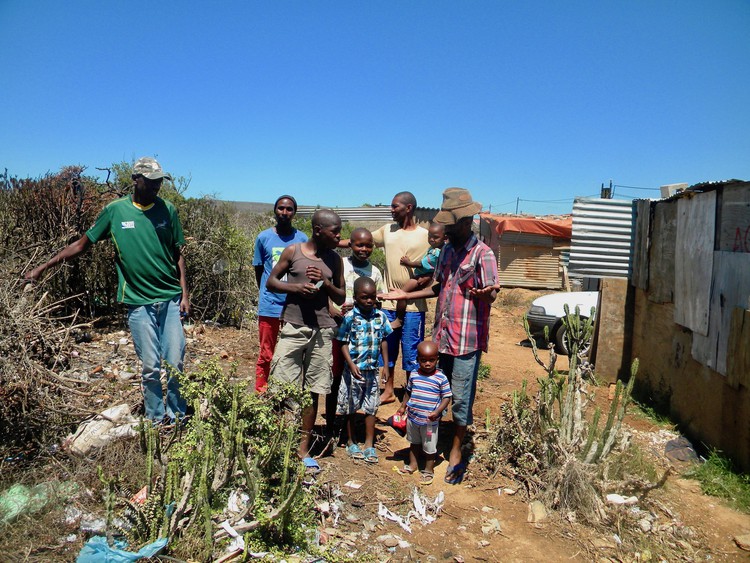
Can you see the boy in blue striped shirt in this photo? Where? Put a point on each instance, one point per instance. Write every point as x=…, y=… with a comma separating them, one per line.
x=427, y=396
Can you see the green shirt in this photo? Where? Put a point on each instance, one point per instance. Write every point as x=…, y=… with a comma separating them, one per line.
x=145, y=243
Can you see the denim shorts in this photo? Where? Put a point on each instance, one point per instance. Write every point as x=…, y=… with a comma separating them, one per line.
x=410, y=334
x=359, y=394
x=462, y=372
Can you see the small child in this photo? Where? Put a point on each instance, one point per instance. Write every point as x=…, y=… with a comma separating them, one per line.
x=355, y=266
x=362, y=336
x=424, y=269
x=427, y=396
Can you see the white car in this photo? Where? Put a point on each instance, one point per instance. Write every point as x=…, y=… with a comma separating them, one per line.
x=548, y=311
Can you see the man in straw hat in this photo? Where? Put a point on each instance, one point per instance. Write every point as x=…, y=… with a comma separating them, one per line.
x=151, y=281
x=466, y=286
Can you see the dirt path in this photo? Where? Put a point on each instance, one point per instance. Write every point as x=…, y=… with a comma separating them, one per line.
x=479, y=523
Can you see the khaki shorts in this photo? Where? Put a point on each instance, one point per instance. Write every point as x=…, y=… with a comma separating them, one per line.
x=303, y=356
x=425, y=435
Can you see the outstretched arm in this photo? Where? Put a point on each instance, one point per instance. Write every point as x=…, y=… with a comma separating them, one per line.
x=70, y=251
x=397, y=294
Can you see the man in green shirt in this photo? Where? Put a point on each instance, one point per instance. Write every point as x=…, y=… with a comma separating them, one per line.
x=148, y=239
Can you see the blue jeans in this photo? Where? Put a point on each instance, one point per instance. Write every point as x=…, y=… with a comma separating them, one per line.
x=410, y=334
x=157, y=335
x=462, y=372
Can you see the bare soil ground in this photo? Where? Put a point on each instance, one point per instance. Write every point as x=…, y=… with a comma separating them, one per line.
x=478, y=523
x=458, y=534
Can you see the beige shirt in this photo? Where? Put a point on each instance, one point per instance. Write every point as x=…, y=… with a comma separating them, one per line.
x=397, y=242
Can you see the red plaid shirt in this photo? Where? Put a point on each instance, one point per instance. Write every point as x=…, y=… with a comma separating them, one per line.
x=462, y=324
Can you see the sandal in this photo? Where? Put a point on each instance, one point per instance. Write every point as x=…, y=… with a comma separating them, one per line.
x=454, y=475
x=355, y=452
x=370, y=455
x=426, y=478
x=404, y=469
x=311, y=466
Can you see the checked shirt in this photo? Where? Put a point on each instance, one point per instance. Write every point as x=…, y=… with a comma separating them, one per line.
x=461, y=322
x=364, y=335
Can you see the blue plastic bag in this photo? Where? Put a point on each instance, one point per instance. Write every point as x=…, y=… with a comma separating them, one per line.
x=96, y=550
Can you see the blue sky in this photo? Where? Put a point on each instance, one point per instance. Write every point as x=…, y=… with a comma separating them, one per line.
x=344, y=103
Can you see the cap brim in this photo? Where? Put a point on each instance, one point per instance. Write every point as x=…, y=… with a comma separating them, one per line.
x=157, y=176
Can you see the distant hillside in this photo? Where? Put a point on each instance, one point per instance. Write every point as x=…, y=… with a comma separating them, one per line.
x=251, y=206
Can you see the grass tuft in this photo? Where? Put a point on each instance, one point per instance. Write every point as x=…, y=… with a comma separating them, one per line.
x=719, y=478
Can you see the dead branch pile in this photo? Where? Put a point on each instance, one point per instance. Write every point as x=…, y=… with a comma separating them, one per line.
x=38, y=403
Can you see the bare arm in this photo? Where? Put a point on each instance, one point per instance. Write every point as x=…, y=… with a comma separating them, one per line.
x=353, y=368
x=182, y=270
x=274, y=282
x=435, y=415
x=402, y=409
x=258, y=275
x=411, y=263
x=427, y=293
x=70, y=251
x=335, y=288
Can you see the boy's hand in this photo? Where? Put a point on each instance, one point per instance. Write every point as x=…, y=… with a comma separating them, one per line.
x=306, y=289
x=346, y=307
x=314, y=274
x=355, y=372
x=336, y=314
x=402, y=410
x=405, y=261
x=434, y=415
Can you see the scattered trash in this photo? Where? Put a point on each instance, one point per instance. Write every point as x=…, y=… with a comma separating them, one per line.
x=614, y=498
x=20, y=499
x=537, y=512
x=743, y=541
x=141, y=496
x=425, y=510
x=680, y=449
x=491, y=526
x=353, y=485
x=97, y=549
x=113, y=423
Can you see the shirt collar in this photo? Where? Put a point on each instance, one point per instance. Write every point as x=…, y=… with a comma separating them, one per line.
x=361, y=314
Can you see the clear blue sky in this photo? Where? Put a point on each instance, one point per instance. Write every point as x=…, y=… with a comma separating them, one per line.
x=342, y=103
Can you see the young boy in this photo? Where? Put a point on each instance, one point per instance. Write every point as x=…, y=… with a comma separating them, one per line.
x=362, y=336
x=424, y=269
x=427, y=396
x=314, y=274
x=355, y=266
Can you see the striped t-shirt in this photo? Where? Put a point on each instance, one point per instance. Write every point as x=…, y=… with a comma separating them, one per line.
x=425, y=394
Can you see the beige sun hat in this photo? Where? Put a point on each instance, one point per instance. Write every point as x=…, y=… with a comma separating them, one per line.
x=149, y=168
x=457, y=204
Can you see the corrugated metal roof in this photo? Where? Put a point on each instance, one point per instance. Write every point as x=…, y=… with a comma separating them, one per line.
x=377, y=214
x=602, y=237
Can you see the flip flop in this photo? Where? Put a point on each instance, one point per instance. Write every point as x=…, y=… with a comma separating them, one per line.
x=354, y=452
x=426, y=478
x=454, y=475
x=371, y=456
x=403, y=470
x=311, y=466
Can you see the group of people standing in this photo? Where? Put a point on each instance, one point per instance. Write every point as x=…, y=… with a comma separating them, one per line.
x=331, y=312
x=320, y=326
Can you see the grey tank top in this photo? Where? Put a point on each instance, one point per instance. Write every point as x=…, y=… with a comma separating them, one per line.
x=313, y=311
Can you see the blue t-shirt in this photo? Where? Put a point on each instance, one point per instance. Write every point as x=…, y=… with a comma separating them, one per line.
x=429, y=262
x=268, y=248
